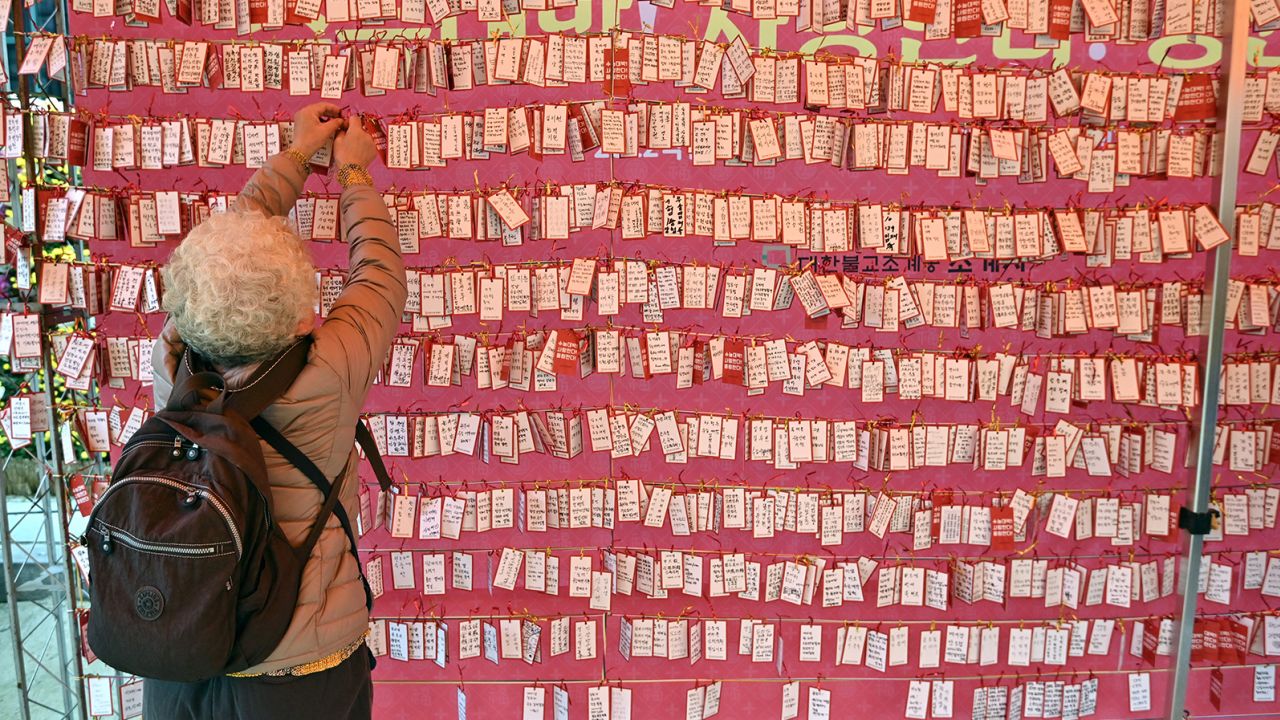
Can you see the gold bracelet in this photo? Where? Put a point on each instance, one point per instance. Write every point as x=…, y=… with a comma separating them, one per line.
x=304, y=162
x=354, y=174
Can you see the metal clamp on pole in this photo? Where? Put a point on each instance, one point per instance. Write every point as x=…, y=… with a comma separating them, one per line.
x=1198, y=523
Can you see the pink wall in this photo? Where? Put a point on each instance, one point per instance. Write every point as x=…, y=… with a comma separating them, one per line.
x=417, y=689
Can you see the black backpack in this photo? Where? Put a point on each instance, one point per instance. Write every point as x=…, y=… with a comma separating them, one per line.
x=190, y=576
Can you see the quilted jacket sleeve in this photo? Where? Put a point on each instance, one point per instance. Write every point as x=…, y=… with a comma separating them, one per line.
x=357, y=334
x=274, y=188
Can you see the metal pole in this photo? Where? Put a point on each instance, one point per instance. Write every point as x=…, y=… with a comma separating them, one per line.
x=20, y=675
x=11, y=594
x=70, y=571
x=56, y=547
x=1235, y=41
x=66, y=627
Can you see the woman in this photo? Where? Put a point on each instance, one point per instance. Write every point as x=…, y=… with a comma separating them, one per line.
x=240, y=288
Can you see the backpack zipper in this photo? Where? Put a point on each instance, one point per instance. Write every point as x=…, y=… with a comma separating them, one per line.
x=177, y=446
x=129, y=541
x=188, y=488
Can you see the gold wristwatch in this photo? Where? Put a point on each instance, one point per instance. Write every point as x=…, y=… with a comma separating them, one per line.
x=353, y=174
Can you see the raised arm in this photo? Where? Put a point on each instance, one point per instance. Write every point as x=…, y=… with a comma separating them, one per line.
x=275, y=187
x=355, y=337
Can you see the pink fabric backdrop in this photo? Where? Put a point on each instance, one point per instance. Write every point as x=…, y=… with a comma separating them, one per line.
x=420, y=689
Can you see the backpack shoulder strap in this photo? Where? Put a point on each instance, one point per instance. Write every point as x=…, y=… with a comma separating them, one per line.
x=299, y=460
x=272, y=380
x=195, y=375
x=371, y=453
x=267, y=383
x=264, y=387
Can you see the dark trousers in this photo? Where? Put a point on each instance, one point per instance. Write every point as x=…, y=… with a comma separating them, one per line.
x=344, y=692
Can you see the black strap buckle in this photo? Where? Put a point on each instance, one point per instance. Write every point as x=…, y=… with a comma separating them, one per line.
x=1198, y=523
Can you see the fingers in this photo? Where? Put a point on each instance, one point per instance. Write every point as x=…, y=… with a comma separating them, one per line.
x=332, y=128
x=353, y=131
x=320, y=111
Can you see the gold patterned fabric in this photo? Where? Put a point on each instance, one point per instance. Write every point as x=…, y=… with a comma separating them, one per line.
x=332, y=660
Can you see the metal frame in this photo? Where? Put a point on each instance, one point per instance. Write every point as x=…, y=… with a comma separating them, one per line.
x=1232, y=67
x=44, y=632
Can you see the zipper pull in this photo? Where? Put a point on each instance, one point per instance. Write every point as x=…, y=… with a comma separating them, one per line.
x=106, y=541
x=191, y=499
x=177, y=447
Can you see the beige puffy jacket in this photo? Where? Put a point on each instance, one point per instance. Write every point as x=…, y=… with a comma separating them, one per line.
x=319, y=412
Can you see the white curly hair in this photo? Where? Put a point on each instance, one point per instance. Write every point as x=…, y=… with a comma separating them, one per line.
x=238, y=286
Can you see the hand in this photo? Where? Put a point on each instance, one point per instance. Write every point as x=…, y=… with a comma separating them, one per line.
x=355, y=146
x=315, y=125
